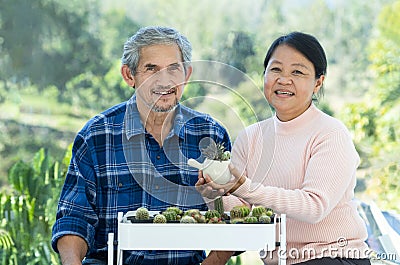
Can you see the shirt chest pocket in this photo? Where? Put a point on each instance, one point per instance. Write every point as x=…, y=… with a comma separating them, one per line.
x=121, y=191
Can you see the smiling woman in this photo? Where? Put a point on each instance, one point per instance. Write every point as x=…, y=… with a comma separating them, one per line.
x=293, y=74
x=301, y=162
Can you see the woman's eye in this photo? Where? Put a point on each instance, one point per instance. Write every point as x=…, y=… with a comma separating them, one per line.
x=275, y=69
x=297, y=72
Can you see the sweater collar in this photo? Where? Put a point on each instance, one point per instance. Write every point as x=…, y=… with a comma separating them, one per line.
x=298, y=123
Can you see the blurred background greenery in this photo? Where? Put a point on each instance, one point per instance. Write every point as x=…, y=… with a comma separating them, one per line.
x=59, y=64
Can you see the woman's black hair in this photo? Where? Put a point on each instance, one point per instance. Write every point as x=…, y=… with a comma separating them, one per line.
x=306, y=44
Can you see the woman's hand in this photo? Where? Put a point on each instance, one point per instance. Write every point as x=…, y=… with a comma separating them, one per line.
x=212, y=190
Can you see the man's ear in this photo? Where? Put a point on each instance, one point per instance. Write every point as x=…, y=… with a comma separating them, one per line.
x=127, y=76
x=188, y=73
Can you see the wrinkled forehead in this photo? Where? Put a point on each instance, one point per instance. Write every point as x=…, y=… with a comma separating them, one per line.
x=160, y=55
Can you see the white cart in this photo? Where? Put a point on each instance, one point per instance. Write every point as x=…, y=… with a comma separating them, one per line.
x=176, y=236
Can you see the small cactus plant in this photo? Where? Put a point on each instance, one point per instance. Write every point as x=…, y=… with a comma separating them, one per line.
x=258, y=211
x=212, y=213
x=142, y=214
x=199, y=218
x=170, y=215
x=219, y=205
x=270, y=212
x=216, y=151
x=237, y=220
x=264, y=219
x=187, y=219
x=240, y=211
x=192, y=212
x=215, y=220
x=160, y=218
x=175, y=209
x=250, y=219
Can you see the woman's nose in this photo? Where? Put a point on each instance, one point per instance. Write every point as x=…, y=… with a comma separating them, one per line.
x=284, y=80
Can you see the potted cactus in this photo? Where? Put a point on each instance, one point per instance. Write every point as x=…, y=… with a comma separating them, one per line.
x=216, y=163
x=216, y=166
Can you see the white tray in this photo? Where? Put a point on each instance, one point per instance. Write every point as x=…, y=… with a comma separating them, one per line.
x=197, y=236
x=177, y=236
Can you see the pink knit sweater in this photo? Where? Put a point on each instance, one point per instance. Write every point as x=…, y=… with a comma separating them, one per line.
x=305, y=168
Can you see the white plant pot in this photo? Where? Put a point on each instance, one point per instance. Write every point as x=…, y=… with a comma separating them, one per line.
x=217, y=170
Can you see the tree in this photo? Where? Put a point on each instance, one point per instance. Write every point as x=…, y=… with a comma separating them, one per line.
x=237, y=49
x=47, y=42
x=375, y=122
x=100, y=90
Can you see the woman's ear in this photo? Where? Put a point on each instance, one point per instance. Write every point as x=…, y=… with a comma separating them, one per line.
x=127, y=76
x=318, y=84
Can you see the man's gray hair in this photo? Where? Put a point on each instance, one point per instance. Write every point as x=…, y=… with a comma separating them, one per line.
x=154, y=35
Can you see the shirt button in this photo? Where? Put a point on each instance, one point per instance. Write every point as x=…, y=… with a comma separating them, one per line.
x=158, y=157
x=120, y=185
x=157, y=187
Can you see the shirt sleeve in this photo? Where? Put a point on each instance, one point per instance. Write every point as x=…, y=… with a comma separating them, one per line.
x=75, y=214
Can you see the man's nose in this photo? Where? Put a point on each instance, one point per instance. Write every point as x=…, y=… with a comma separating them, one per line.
x=164, y=76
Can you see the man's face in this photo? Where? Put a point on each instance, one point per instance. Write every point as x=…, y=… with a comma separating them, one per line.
x=160, y=77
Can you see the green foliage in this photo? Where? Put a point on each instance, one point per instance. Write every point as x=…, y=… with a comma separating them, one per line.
x=236, y=50
x=94, y=92
x=375, y=122
x=28, y=210
x=193, y=94
x=18, y=141
x=249, y=101
x=384, y=186
x=6, y=241
x=51, y=43
x=115, y=28
x=385, y=56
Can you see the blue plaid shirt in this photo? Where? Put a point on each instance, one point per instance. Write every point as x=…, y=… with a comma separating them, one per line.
x=117, y=166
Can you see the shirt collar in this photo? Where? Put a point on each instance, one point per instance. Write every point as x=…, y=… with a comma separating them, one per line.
x=133, y=123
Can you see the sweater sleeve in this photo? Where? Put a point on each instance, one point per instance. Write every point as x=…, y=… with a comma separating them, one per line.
x=329, y=176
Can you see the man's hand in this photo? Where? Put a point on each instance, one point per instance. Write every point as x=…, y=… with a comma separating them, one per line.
x=218, y=257
x=209, y=189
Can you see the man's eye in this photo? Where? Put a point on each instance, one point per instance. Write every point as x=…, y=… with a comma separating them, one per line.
x=173, y=68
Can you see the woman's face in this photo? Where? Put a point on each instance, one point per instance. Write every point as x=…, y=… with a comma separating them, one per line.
x=289, y=82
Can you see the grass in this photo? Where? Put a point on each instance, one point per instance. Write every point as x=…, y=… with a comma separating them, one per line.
x=29, y=122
